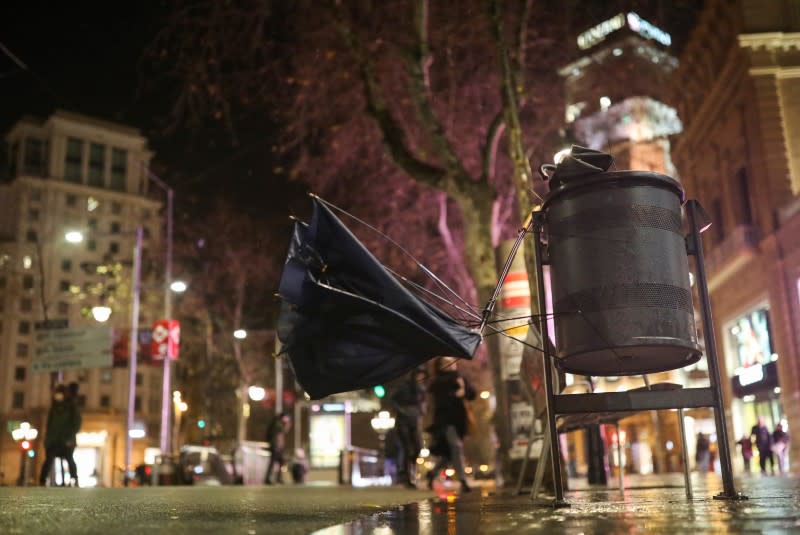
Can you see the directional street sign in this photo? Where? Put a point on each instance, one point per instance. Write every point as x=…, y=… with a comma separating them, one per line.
x=72, y=349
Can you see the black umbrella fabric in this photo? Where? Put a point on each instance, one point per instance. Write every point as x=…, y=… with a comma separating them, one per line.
x=346, y=323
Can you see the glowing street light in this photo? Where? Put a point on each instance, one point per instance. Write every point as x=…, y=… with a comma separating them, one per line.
x=101, y=313
x=178, y=286
x=240, y=334
x=74, y=236
x=256, y=393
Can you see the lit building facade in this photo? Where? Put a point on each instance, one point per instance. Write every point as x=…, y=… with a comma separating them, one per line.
x=737, y=91
x=74, y=173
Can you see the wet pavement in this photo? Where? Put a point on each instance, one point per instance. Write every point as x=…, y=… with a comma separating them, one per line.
x=648, y=507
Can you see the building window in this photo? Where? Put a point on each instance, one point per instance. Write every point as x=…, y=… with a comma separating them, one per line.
x=13, y=158
x=72, y=200
x=113, y=247
x=138, y=379
x=63, y=308
x=105, y=401
x=97, y=165
x=119, y=169
x=18, y=400
x=27, y=282
x=115, y=227
x=91, y=245
x=33, y=214
x=137, y=405
x=92, y=204
x=24, y=328
x=105, y=376
x=25, y=304
x=34, y=162
x=31, y=236
x=35, y=194
x=73, y=161
x=3, y=281
x=66, y=265
x=64, y=286
x=116, y=208
x=22, y=350
x=19, y=373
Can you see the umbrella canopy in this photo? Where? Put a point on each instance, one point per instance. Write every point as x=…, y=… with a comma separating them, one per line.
x=346, y=323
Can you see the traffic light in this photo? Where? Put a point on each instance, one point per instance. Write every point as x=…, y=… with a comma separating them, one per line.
x=201, y=424
x=25, y=445
x=379, y=390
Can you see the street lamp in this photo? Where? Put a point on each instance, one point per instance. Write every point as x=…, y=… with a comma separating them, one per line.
x=178, y=287
x=77, y=237
x=240, y=334
x=74, y=236
x=24, y=434
x=382, y=424
x=256, y=393
x=101, y=313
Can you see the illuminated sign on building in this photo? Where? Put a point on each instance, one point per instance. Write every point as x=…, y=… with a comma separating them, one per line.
x=597, y=33
x=751, y=375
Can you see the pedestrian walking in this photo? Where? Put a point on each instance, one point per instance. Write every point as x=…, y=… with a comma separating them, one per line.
x=72, y=399
x=276, y=436
x=763, y=445
x=746, y=445
x=452, y=419
x=702, y=453
x=407, y=402
x=780, y=446
x=62, y=425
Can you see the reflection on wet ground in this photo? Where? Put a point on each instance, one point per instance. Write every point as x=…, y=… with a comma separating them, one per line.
x=774, y=506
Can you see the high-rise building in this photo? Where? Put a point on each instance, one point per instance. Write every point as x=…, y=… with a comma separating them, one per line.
x=75, y=173
x=737, y=91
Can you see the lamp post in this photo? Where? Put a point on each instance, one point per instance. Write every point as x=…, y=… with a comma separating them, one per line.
x=77, y=237
x=382, y=424
x=166, y=384
x=133, y=347
x=24, y=434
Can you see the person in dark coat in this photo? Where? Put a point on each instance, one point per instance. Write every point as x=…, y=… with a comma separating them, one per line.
x=449, y=391
x=746, y=445
x=72, y=399
x=407, y=402
x=702, y=453
x=63, y=421
x=276, y=436
x=763, y=445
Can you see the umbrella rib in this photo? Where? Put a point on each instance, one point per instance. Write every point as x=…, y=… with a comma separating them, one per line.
x=422, y=266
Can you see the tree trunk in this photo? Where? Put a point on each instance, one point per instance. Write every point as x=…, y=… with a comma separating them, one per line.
x=480, y=256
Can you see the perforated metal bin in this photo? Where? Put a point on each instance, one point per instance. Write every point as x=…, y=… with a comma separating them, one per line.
x=620, y=277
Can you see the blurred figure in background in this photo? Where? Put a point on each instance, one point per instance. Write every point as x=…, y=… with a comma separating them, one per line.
x=62, y=425
x=407, y=402
x=451, y=419
x=299, y=466
x=72, y=399
x=702, y=454
x=763, y=445
x=276, y=436
x=780, y=445
x=746, y=444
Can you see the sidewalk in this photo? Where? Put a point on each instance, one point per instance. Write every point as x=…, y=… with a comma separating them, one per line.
x=774, y=506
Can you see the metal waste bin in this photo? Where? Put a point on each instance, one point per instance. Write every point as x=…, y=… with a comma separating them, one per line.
x=619, y=272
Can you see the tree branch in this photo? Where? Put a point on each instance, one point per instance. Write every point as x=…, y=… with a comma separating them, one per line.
x=394, y=138
x=493, y=136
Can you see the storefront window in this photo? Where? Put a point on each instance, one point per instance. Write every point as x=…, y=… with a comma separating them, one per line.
x=750, y=338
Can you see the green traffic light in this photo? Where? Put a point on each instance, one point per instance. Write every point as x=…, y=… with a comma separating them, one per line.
x=201, y=424
x=379, y=390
